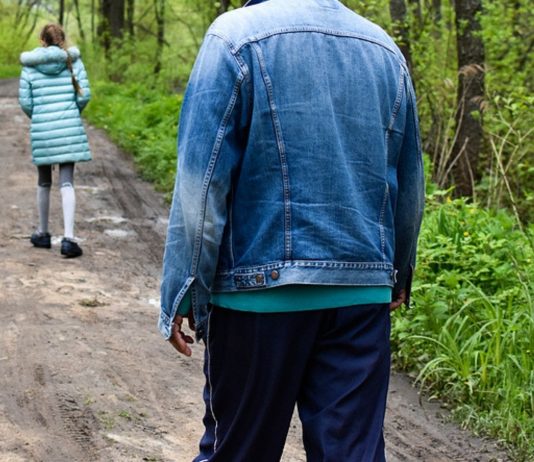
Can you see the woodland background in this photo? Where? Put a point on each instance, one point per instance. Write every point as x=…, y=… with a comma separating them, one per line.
x=469, y=338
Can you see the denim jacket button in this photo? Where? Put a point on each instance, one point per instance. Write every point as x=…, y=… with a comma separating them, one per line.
x=259, y=278
x=275, y=275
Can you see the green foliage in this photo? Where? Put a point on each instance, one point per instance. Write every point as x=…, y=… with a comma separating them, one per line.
x=435, y=78
x=509, y=79
x=509, y=156
x=470, y=335
x=133, y=58
x=143, y=122
x=374, y=10
x=12, y=42
x=8, y=71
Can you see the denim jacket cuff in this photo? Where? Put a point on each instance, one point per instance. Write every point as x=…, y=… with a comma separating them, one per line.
x=167, y=316
x=164, y=325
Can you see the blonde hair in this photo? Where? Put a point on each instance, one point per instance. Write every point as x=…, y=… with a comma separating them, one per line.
x=54, y=35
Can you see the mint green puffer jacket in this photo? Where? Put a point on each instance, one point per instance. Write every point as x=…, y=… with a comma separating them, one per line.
x=48, y=97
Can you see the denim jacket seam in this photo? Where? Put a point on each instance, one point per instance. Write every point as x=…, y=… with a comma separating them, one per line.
x=305, y=29
x=394, y=113
x=416, y=123
x=233, y=51
x=197, y=249
x=281, y=152
x=398, y=100
x=243, y=270
x=230, y=226
x=229, y=43
x=384, y=204
x=239, y=60
x=179, y=297
x=247, y=79
x=194, y=302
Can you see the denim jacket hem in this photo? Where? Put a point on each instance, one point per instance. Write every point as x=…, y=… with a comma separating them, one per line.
x=304, y=272
x=277, y=274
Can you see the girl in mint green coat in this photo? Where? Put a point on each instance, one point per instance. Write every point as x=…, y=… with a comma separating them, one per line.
x=53, y=91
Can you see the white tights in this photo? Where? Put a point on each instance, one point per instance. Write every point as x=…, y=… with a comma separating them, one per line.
x=68, y=197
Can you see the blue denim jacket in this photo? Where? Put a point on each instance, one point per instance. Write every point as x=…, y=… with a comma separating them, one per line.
x=299, y=160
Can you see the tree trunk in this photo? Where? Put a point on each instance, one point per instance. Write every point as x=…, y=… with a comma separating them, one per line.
x=436, y=10
x=115, y=15
x=469, y=135
x=79, y=19
x=225, y=4
x=130, y=13
x=415, y=6
x=93, y=14
x=397, y=9
x=61, y=11
x=30, y=30
x=159, y=6
x=23, y=14
x=112, y=21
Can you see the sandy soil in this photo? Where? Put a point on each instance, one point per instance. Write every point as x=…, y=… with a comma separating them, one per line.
x=84, y=373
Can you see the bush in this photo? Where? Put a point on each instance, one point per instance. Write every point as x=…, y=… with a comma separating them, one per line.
x=143, y=122
x=470, y=335
x=12, y=42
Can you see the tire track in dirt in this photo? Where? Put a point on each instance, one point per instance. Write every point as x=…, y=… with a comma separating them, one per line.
x=45, y=414
x=80, y=424
x=84, y=374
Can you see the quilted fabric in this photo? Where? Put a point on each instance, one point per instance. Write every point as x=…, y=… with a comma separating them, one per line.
x=48, y=97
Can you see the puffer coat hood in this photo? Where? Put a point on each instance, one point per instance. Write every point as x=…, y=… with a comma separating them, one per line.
x=49, y=60
x=48, y=97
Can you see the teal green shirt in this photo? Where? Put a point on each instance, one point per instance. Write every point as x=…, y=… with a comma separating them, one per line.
x=295, y=298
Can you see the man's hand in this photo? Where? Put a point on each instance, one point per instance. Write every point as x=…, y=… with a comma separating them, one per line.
x=178, y=339
x=401, y=298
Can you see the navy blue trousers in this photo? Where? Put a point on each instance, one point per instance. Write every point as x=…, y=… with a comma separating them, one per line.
x=333, y=363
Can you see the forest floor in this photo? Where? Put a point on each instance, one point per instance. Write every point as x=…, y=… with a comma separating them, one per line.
x=84, y=373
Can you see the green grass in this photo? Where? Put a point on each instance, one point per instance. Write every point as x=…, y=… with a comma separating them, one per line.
x=470, y=336
x=143, y=122
x=9, y=71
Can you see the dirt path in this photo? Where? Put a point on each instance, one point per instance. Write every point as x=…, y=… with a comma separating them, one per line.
x=84, y=374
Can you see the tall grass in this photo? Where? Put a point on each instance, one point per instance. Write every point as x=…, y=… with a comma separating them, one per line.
x=144, y=122
x=12, y=42
x=469, y=339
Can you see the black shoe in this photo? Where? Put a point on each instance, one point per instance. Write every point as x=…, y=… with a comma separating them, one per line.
x=70, y=249
x=41, y=240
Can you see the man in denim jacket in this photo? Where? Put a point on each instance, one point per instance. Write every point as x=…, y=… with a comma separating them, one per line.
x=293, y=228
